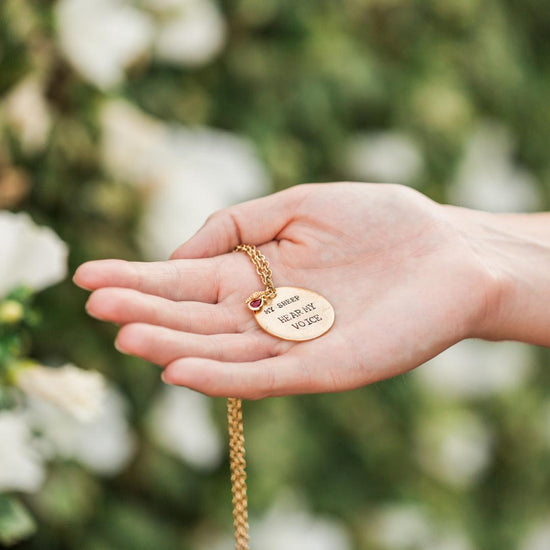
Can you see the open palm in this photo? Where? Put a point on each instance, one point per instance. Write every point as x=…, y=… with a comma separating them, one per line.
x=403, y=281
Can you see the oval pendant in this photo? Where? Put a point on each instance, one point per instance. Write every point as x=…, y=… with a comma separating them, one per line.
x=296, y=314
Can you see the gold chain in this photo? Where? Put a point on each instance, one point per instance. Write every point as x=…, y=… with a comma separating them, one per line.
x=235, y=417
x=238, y=472
x=262, y=268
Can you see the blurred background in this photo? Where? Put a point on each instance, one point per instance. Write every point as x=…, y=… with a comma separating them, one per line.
x=123, y=124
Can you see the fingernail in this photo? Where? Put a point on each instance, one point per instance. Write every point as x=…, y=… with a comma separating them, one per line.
x=164, y=378
x=75, y=276
x=119, y=348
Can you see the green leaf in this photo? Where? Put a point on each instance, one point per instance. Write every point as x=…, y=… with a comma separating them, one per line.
x=68, y=497
x=16, y=523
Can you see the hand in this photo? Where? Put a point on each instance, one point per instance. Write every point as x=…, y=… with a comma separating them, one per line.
x=404, y=280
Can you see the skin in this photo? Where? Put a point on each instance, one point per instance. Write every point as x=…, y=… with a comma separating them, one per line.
x=407, y=277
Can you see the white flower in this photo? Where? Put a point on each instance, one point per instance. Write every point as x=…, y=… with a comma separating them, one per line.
x=193, y=36
x=76, y=391
x=489, y=179
x=102, y=37
x=210, y=170
x=190, y=173
x=26, y=110
x=538, y=537
x=288, y=525
x=29, y=255
x=21, y=466
x=401, y=526
x=181, y=422
x=475, y=368
x=135, y=147
x=104, y=445
x=455, y=447
x=411, y=527
x=384, y=157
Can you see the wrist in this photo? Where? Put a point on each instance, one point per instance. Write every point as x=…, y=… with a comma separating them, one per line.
x=514, y=256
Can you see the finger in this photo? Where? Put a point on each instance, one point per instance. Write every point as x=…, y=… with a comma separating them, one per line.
x=175, y=279
x=253, y=222
x=162, y=345
x=285, y=374
x=124, y=305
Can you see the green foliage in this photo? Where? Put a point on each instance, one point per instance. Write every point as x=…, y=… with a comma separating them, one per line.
x=17, y=317
x=299, y=79
x=15, y=521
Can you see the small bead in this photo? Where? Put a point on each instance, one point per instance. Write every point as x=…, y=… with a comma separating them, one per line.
x=256, y=304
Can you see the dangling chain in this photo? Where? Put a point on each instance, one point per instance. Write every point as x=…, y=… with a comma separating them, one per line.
x=314, y=324
x=238, y=472
x=235, y=417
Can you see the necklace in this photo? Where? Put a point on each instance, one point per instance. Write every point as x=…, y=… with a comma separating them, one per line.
x=289, y=313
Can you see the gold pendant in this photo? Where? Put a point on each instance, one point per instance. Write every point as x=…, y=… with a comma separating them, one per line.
x=295, y=314
x=290, y=313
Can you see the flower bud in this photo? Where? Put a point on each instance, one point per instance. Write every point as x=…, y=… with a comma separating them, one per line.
x=11, y=312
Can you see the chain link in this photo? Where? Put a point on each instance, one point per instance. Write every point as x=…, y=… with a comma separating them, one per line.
x=262, y=268
x=238, y=472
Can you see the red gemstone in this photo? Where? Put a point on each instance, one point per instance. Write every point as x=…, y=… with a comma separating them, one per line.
x=255, y=304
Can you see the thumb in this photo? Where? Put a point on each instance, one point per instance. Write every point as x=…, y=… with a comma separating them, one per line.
x=254, y=222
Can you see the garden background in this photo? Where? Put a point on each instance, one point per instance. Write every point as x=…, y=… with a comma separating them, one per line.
x=123, y=124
